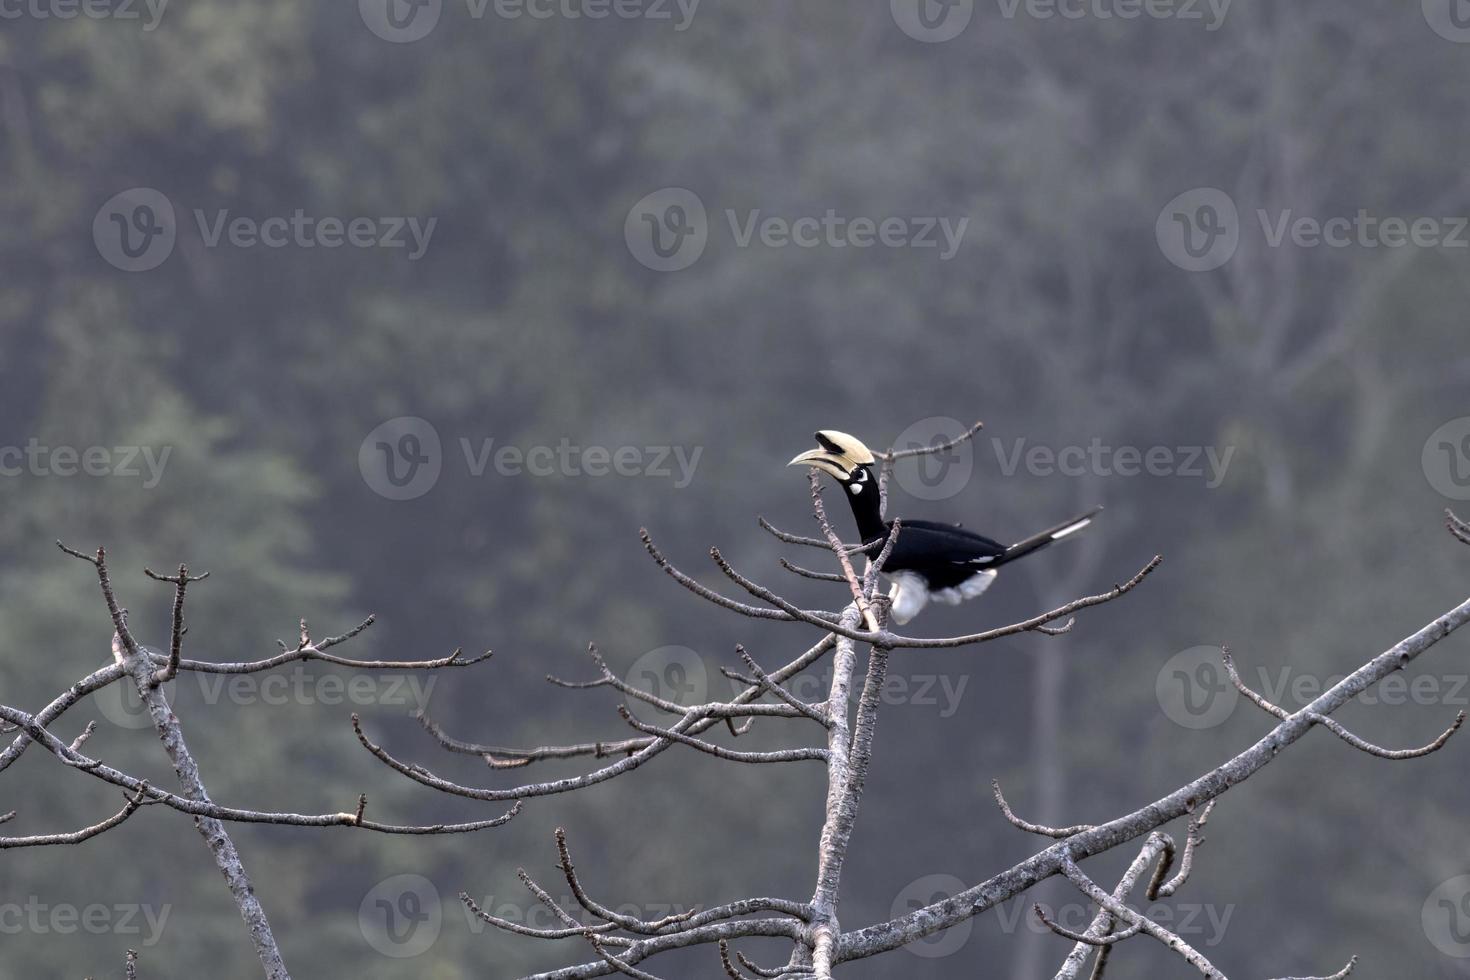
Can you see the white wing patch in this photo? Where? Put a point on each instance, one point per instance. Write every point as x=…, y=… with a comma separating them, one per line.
x=1058, y=535
x=909, y=593
x=968, y=589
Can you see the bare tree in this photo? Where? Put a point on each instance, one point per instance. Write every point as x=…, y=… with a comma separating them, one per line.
x=819, y=942
x=147, y=670
x=621, y=942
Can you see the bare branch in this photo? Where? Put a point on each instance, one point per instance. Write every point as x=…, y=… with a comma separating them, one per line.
x=137, y=800
x=1031, y=624
x=859, y=596
x=1364, y=745
x=1083, y=938
x=768, y=684
x=534, y=933
x=719, y=752
x=808, y=573
x=880, y=937
x=806, y=542
x=94, y=767
x=730, y=970
x=1339, y=975
x=603, y=749
x=1033, y=828
x=755, y=612
x=1158, y=888
x=1170, y=939
x=1098, y=935
x=176, y=639
x=1336, y=727
x=1461, y=530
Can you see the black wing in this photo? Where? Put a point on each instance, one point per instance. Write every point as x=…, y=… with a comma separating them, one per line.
x=943, y=553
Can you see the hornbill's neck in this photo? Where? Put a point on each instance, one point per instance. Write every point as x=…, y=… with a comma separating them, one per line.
x=862, y=495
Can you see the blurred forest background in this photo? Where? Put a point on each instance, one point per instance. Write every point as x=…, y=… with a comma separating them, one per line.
x=1062, y=319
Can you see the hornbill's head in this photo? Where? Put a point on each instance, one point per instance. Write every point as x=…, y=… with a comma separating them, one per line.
x=842, y=456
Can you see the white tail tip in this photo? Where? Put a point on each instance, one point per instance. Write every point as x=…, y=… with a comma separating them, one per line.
x=1058, y=535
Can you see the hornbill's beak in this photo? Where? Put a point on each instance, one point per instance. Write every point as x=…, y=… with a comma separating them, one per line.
x=840, y=454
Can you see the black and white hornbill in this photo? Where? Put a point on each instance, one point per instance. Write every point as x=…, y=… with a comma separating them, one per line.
x=943, y=562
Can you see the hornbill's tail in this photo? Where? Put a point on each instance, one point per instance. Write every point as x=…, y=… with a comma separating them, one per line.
x=1022, y=548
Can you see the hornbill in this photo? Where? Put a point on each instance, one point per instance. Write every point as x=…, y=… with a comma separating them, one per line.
x=943, y=562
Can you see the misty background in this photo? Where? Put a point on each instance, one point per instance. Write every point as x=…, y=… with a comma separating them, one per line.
x=1127, y=296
